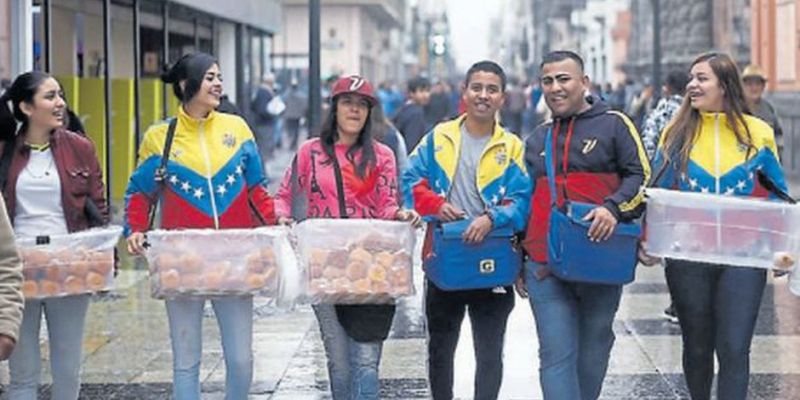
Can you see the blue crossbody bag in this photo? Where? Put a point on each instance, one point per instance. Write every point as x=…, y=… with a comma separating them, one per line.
x=455, y=265
x=571, y=255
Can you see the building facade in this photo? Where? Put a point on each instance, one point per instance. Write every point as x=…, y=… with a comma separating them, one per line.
x=357, y=36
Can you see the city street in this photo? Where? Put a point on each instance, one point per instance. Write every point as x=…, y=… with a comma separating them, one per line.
x=127, y=352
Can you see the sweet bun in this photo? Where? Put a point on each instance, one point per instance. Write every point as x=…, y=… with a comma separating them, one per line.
x=191, y=281
x=167, y=261
x=332, y=273
x=381, y=287
x=254, y=264
x=318, y=257
x=102, y=267
x=377, y=273
x=95, y=281
x=268, y=257
x=170, y=279
x=360, y=254
x=30, y=289
x=49, y=288
x=191, y=263
x=74, y=285
x=213, y=279
x=384, y=258
x=362, y=286
x=35, y=258
x=316, y=271
x=53, y=274
x=318, y=286
x=356, y=270
x=255, y=281
x=270, y=274
x=340, y=285
x=79, y=268
x=336, y=258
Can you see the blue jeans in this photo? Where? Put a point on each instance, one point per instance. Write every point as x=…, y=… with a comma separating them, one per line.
x=235, y=320
x=352, y=365
x=65, y=320
x=574, y=323
x=717, y=309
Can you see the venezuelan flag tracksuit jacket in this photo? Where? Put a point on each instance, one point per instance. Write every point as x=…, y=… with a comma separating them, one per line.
x=606, y=165
x=214, y=178
x=717, y=154
x=502, y=179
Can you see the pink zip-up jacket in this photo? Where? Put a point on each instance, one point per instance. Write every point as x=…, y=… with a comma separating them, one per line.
x=374, y=196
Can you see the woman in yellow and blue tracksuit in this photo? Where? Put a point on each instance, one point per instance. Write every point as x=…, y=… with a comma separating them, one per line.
x=713, y=146
x=214, y=179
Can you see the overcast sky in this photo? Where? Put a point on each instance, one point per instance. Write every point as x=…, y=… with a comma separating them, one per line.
x=469, y=29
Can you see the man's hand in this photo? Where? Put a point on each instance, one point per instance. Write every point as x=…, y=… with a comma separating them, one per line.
x=409, y=216
x=450, y=213
x=603, y=224
x=136, y=243
x=6, y=347
x=477, y=230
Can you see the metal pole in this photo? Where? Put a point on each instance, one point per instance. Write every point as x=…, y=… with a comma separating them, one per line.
x=263, y=56
x=137, y=76
x=107, y=86
x=314, y=82
x=656, y=49
x=47, y=17
x=165, y=54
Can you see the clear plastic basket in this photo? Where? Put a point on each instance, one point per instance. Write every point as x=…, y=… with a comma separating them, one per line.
x=355, y=261
x=208, y=262
x=64, y=265
x=719, y=229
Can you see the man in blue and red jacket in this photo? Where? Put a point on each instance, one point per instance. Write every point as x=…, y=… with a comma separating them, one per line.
x=599, y=159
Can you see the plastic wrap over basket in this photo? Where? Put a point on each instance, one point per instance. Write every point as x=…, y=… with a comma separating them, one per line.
x=208, y=262
x=719, y=229
x=63, y=265
x=355, y=261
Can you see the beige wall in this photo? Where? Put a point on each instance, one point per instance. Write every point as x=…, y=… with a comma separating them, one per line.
x=774, y=42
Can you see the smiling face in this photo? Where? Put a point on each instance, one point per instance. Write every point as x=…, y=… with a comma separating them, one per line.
x=704, y=90
x=483, y=96
x=48, y=109
x=352, y=111
x=210, y=92
x=564, y=85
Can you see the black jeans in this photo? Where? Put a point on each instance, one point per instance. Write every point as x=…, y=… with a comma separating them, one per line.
x=717, y=308
x=488, y=314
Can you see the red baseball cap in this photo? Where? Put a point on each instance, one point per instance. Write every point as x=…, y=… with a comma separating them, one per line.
x=354, y=84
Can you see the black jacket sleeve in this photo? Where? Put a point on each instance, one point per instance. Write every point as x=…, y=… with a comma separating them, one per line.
x=633, y=167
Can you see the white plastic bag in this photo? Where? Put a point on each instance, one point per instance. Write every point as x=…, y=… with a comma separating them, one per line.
x=276, y=106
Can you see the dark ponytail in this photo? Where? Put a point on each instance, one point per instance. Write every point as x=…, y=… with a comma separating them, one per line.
x=190, y=68
x=22, y=90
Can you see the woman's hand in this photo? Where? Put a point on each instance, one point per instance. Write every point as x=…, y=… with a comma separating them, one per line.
x=646, y=259
x=285, y=221
x=136, y=242
x=782, y=263
x=409, y=216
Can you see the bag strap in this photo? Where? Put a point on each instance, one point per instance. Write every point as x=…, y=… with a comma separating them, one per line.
x=161, y=171
x=550, y=159
x=337, y=172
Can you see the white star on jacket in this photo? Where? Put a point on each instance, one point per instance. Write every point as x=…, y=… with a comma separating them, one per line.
x=198, y=193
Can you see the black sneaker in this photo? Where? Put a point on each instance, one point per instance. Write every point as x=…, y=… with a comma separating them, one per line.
x=670, y=314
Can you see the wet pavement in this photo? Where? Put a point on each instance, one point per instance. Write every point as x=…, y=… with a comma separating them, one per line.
x=127, y=350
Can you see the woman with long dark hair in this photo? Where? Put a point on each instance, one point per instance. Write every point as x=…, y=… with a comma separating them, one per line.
x=49, y=175
x=713, y=146
x=214, y=179
x=353, y=335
